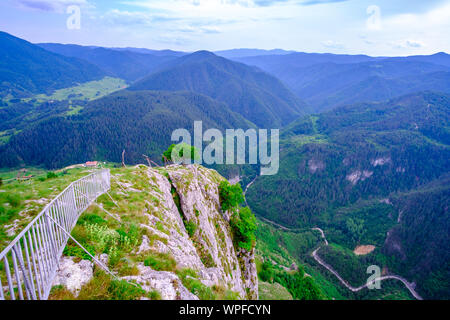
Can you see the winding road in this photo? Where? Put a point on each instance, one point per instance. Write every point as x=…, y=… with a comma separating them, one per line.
x=315, y=255
x=246, y=188
x=408, y=285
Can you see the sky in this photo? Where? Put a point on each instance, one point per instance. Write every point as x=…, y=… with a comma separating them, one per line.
x=373, y=27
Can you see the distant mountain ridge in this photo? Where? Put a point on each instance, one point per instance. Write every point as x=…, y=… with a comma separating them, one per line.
x=163, y=53
x=323, y=81
x=129, y=64
x=242, y=53
x=326, y=81
x=329, y=85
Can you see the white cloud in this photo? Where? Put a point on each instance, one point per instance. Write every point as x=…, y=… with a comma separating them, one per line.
x=303, y=25
x=163, y=21
x=437, y=17
x=235, y=3
x=214, y=9
x=198, y=16
x=51, y=5
x=419, y=33
x=332, y=44
x=402, y=44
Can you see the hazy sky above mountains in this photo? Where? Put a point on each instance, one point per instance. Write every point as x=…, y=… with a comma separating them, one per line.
x=374, y=27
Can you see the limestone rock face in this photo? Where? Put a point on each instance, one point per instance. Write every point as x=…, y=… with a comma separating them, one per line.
x=73, y=275
x=248, y=266
x=183, y=219
x=315, y=165
x=166, y=283
x=208, y=249
x=358, y=175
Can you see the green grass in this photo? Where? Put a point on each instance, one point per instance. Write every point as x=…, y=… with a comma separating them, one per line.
x=21, y=201
x=189, y=278
x=273, y=291
x=301, y=140
x=103, y=287
x=87, y=91
x=74, y=110
x=287, y=247
x=284, y=247
x=5, y=136
x=191, y=227
x=160, y=262
x=314, y=120
x=7, y=174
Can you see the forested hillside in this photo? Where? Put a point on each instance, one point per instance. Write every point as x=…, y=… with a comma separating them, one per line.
x=255, y=95
x=355, y=152
x=420, y=241
x=372, y=169
x=27, y=69
x=354, y=172
x=139, y=122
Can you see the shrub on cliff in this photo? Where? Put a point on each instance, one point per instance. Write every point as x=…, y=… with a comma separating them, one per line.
x=244, y=226
x=243, y=221
x=181, y=153
x=230, y=195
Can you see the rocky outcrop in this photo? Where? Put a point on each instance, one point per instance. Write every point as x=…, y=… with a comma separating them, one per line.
x=181, y=221
x=315, y=165
x=73, y=275
x=358, y=175
x=380, y=161
x=166, y=283
x=208, y=246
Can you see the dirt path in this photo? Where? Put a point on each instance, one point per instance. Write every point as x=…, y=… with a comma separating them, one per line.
x=323, y=235
x=275, y=224
x=249, y=185
x=246, y=188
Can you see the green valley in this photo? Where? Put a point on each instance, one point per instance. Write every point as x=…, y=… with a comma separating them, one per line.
x=359, y=172
x=86, y=91
x=363, y=186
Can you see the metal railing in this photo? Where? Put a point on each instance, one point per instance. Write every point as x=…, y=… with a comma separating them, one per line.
x=29, y=264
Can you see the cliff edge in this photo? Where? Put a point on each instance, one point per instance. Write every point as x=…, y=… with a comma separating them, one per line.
x=178, y=214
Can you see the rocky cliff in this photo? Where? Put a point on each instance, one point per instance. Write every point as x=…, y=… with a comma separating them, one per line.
x=182, y=218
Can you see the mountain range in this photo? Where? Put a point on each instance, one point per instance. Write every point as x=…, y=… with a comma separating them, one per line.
x=27, y=69
x=254, y=94
x=311, y=82
x=364, y=147
x=129, y=65
x=325, y=81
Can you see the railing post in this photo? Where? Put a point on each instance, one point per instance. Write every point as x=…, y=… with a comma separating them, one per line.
x=2, y=297
x=75, y=207
x=26, y=280
x=9, y=279
x=16, y=272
